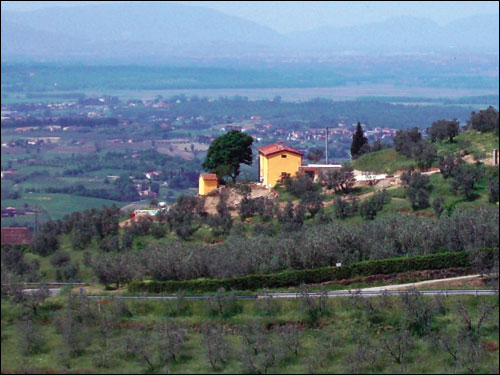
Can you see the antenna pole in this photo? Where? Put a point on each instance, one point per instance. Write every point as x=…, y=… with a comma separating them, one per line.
x=326, y=145
x=36, y=219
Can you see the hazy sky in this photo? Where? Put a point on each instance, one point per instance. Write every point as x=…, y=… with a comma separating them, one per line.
x=286, y=16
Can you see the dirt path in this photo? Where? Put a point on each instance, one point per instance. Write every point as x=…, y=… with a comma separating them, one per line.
x=453, y=281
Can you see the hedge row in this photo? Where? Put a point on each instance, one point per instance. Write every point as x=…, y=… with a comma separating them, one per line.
x=310, y=276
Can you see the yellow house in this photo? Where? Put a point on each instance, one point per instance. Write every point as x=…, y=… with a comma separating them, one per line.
x=275, y=161
x=207, y=183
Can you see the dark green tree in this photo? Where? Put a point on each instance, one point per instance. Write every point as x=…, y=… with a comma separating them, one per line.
x=493, y=190
x=417, y=189
x=315, y=155
x=465, y=180
x=450, y=165
x=227, y=152
x=443, y=129
x=484, y=121
x=358, y=141
x=405, y=141
x=438, y=206
x=424, y=153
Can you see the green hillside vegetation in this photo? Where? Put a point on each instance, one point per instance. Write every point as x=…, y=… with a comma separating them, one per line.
x=224, y=335
x=383, y=161
x=471, y=142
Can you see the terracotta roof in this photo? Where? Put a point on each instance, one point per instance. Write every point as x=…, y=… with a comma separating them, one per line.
x=209, y=176
x=16, y=236
x=277, y=147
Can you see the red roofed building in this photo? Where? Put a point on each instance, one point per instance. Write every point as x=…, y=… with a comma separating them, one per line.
x=277, y=161
x=276, y=148
x=16, y=236
x=207, y=183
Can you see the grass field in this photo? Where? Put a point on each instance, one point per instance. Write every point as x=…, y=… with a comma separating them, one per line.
x=383, y=161
x=479, y=143
x=347, y=92
x=58, y=205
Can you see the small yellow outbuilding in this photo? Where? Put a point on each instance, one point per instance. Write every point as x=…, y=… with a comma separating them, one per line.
x=207, y=183
x=276, y=161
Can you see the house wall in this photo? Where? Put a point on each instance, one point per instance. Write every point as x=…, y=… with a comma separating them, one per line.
x=273, y=166
x=206, y=186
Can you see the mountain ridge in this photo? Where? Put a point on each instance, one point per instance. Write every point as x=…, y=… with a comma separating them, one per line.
x=172, y=31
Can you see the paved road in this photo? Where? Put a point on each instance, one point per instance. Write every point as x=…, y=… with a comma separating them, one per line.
x=367, y=292
x=52, y=291
x=342, y=293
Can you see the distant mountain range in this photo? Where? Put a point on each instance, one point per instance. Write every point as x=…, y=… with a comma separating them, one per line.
x=157, y=31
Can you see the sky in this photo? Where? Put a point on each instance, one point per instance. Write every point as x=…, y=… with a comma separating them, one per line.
x=288, y=16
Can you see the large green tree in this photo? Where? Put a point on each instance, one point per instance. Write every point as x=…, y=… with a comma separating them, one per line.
x=358, y=141
x=443, y=129
x=484, y=121
x=227, y=152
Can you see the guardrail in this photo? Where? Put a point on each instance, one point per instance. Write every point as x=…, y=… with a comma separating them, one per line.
x=48, y=283
x=347, y=293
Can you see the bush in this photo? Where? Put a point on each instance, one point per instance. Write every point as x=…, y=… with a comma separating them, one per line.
x=493, y=190
x=158, y=230
x=68, y=273
x=437, y=205
x=342, y=208
x=300, y=185
x=110, y=244
x=369, y=208
x=309, y=276
x=44, y=243
x=60, y=258
x=223, y=306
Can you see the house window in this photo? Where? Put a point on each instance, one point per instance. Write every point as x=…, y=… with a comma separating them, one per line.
x=283, y=156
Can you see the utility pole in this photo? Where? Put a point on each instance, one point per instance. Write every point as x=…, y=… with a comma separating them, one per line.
x=326, y=145
x=36, y=219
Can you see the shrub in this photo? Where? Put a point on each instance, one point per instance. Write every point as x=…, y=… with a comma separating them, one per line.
x=343, y=208
x=158, y=230
x=110, y=244
x=417, y=189
x=309, y=276
x=300, y=185
x=60, y=258
x=437, y=205
x=222, y=305
x=493, y=190
x=369, y=208
x=68, y=272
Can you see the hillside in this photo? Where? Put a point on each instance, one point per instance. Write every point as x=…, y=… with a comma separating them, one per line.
x=469, y=143
x=299, y=237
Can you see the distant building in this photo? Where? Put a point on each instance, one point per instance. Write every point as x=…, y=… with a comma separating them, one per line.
x=9, y=212
x=8, y=174
x=276, y=161
x=314, y=170
x=16, y=236
x=207, y=183
x=144, y=213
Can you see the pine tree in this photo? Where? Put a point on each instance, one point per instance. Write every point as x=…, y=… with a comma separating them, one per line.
x=358, y=141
